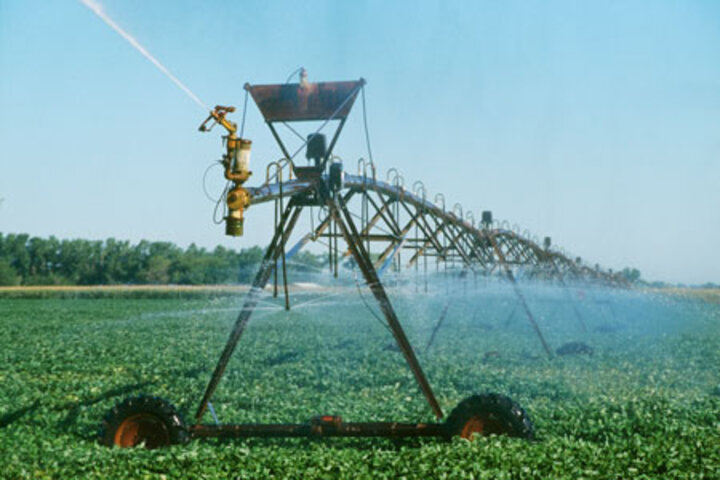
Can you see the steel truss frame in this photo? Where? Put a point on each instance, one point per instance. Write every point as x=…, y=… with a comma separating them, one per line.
x=390, y=221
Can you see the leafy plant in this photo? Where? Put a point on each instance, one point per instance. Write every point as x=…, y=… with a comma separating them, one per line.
x=643, y=405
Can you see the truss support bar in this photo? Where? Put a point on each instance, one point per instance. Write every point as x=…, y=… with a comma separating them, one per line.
x=287, y=223
x=311, y=236
x=320, y=429
x=520, y=296
x=443, y=314
x=391, y=257
x=569, y=296
x=391, y=250
x=389, y=220
x=354, y=241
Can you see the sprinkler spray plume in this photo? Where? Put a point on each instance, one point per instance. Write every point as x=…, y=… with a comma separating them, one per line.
x=100, y=12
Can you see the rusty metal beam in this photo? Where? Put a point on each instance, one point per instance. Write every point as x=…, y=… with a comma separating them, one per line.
x=320, y=429
x=570, y=298
x=456, y=246
x=516, y=250
x=520, y=296
x=443, y=314
x=287, y=223
x=424, y=226
x=354, y=241
x=397, y=241
x=433, y=239
x=390, y=220
x=316, y=233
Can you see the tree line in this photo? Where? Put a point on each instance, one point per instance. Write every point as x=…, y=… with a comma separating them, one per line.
x=26, y=260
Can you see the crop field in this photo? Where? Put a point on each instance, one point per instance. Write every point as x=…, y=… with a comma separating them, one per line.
x=645, y=404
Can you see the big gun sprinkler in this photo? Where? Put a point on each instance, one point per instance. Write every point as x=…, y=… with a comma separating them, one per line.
x=237, y=168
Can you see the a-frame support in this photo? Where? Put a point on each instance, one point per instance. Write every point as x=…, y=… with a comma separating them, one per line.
x=341, y=216
x=352, y=238
x=285, y=227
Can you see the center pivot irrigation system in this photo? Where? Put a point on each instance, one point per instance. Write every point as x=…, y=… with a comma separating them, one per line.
x=368, y=214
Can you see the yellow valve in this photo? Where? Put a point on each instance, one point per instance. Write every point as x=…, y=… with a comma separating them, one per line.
x=237, y=168
x=238, y=198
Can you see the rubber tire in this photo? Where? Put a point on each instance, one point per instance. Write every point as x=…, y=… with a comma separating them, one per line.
x=143, y=419
x=488, y=414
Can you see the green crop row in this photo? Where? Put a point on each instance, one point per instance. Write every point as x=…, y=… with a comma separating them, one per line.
x=645, y=405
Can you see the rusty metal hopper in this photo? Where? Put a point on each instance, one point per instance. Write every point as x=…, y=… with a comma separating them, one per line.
x=293, y=102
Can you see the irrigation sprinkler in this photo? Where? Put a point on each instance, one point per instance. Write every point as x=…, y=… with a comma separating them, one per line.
x=392, y=220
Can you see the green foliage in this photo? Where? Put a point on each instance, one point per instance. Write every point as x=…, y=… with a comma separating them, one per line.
x=641, y=407
x=632, y=275
x=29, y=260
x=8, y=277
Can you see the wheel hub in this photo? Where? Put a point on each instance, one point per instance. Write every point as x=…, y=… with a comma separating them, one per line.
x=483, y=425
x=142, y=428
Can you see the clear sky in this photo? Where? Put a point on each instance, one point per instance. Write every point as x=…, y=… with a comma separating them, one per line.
x=597, y=123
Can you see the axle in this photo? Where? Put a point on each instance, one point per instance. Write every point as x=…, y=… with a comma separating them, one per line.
x=322, y=426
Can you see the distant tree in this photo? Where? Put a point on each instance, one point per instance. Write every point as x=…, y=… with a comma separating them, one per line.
x=632, y=275
x=8, y=275
x=308, y=262
x=39, y=261
x=157, y=271
x=246, y=263
x=19, y=254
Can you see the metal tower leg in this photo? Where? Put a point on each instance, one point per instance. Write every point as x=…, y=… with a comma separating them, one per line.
x=519, y=294
x=354, y=241
x=437, y=326
x=287, y=223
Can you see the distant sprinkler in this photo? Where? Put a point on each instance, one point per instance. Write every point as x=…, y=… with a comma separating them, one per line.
x=486, y=218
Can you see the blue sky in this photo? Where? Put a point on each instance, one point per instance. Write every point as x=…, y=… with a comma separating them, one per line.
x=597, y=123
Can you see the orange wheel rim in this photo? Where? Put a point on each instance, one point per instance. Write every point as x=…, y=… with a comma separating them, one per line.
x=483, y=425
x=474, y=425
x=143, y=427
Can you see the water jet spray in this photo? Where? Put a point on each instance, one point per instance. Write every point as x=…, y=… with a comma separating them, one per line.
x=98, y=10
